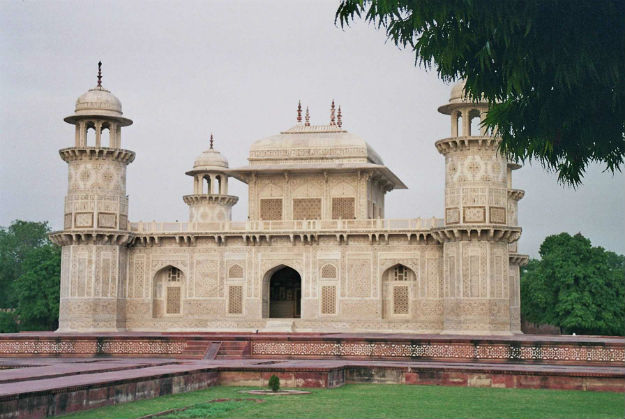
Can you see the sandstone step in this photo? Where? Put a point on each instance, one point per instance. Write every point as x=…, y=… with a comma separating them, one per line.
x=279, y=325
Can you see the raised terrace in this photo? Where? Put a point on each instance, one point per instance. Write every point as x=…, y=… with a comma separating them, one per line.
x=52, y=373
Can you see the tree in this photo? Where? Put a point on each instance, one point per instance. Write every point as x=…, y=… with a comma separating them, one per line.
x=29, y=277
x=37, y=289
x=552, y=71
x=575, y=286
x=16, y=241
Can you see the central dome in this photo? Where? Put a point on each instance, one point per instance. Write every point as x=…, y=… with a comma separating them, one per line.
x=303, y=145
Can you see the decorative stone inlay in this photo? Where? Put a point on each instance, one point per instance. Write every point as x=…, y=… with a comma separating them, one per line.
x=107, y=220
x=474, y=214
x=497, y=215
x=443, y=350
x=452, y=216
x=89, y=346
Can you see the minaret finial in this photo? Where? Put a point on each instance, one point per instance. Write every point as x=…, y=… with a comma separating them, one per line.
x=99, y=73
x=339, y=118
x=332, y=114
x=307, y=117
x=211, y=141
x=299, y=111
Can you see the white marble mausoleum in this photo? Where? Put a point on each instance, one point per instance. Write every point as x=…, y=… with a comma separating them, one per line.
x=316, y=252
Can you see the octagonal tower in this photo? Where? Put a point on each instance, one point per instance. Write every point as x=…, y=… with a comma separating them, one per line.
x=93, y=264
x=479, y=227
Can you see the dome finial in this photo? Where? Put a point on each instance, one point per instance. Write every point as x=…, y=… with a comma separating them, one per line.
x=99, y=73
x=299, y=111
x=307, y=117
x=211, y=141
x=332, y=121
x=339, y=118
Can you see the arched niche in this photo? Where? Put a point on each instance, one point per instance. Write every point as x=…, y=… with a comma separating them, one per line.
x=167, y=292
x=398, y=284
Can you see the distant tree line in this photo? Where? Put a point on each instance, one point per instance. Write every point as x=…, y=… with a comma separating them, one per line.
x=575, y=286
x=30, y=272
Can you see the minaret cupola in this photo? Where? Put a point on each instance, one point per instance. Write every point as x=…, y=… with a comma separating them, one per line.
x=210, y=200
x=100, y=110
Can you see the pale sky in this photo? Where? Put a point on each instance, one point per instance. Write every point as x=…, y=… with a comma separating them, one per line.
x=185, y=69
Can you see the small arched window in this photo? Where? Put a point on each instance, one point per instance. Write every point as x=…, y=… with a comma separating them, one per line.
x=328, y=271
x=105, y=135
x=459, y=124
x=90, y=134
x=474, y=122
x=235, y=271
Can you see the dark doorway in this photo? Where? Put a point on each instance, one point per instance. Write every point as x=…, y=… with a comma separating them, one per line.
x=285, y=294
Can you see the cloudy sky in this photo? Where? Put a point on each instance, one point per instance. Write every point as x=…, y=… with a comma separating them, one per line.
x=237, y=69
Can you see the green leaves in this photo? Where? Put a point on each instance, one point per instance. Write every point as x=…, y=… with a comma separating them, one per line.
x=38, y=289
x=554, y=72
x=29, y=276
x=575, y=286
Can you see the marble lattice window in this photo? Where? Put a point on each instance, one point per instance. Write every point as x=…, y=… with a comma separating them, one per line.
x=400, y=299
x=235, y=299
x=343, y=208
x=328, y=271
x=307, y=209
x=271, y=209
x=328, y=299
x=174, y=274
x=173, y=300
x=400, y=273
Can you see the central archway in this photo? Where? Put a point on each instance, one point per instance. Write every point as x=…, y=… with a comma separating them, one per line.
x=283, y=294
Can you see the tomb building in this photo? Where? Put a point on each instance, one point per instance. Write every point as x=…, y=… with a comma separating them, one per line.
x=316, y=253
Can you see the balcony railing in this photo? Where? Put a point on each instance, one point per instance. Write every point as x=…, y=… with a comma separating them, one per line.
x=290, y=225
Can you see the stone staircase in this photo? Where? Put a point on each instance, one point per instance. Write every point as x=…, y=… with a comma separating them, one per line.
x=200, y=349
x=234, y=349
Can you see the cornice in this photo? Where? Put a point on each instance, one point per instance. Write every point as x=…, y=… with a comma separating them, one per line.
x=454, y=144
x=489, y=232
x=516, y=194
x=226, y=200
x=68, y=237
x=518, y=259
x=97, y=153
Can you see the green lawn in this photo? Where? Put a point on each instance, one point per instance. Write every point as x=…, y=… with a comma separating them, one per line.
x=379, y=401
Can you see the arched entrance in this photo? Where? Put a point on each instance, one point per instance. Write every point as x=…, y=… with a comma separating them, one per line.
x=283, y=294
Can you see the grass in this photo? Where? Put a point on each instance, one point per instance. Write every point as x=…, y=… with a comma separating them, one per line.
x=378, y=401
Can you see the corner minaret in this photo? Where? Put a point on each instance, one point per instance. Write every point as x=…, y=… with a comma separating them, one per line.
x=478, y=228
x=93, y=264
x=210, y=200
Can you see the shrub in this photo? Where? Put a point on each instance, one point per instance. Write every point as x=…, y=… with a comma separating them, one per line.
x=274, y=383
x=8, y=322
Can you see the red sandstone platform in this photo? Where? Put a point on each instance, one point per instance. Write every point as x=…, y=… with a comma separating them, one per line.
x=48, y=374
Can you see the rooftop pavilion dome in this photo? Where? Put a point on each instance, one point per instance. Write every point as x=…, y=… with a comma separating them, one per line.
x=306, y=144
x=209, y=160
x=314, y=148
x=457, y=98
x=98, y=102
